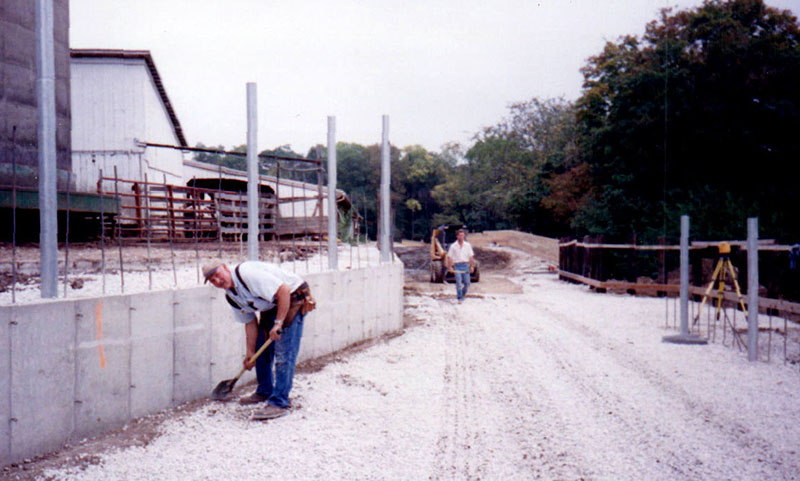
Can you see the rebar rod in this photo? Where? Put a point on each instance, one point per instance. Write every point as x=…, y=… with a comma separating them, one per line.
x=352, y=231
x=675, y=310
x=241, y=227
x=358, y=242
x=305, y=228
x=147, y=232
x=716, y=327
x=102, y=232
x=320, y=200
x=219, y=212
x=769, y=338
x=119, y=232
x=13, y=218
x=196, y=232
x=66, y=237
x=785, y=340
x=170, y=234
x=294, y=246
x=366, y=230
x=278, y=217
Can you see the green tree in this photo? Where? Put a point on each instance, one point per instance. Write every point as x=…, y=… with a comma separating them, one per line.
x=699, y=116
x=505, y=176
x=414, y=175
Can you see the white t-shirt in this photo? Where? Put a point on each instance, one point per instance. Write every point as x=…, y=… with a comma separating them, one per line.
x=262, y=282
x=460, y=253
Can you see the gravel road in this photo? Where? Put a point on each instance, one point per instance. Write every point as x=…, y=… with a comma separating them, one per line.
x=545, y=381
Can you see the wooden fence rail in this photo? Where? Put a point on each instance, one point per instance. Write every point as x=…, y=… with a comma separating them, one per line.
x=597, y=264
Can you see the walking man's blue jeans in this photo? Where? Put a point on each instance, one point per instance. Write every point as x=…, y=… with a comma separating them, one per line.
x=462, y=279
x=283, y=354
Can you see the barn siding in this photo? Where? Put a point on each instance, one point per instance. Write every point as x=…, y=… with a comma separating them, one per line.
x=115, y=103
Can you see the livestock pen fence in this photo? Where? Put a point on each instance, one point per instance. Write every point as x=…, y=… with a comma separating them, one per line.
x=717, y=311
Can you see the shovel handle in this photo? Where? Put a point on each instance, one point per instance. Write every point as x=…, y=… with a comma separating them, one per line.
x=255, y=356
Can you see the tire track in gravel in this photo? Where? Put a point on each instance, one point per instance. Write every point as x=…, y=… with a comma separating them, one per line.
x=458, y=438
x=583, y=416
x=753, y=456
x=742, y=436
x=543, y=452
x=600, y=414
x=491, y=384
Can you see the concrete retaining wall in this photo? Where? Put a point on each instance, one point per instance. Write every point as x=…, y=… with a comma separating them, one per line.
x=75, y=368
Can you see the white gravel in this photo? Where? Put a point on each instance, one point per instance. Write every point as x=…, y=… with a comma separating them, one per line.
x=555, y=383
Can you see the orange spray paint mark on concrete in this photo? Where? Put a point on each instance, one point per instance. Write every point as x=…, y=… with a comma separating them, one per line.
x=98, y=316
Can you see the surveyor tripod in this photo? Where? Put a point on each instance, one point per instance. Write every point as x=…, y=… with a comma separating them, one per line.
x=723, y=269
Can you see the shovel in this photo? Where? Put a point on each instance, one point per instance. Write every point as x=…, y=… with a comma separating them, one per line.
x=225, y=387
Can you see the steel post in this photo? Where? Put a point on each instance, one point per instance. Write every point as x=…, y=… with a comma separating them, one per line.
x=333, y=261
x=386, y=217
x=45, y=94
x=684, y=273
x=752, y=289
x=684, y=337
x=252, y=174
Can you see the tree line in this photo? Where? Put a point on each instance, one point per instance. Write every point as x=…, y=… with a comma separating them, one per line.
x=698, y=116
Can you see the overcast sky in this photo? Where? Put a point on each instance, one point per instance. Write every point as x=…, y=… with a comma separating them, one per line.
x=441, y=69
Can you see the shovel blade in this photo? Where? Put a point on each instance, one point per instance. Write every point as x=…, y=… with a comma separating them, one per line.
x=223, y=389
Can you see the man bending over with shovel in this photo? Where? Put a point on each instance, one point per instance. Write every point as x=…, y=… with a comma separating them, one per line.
x=283, y=299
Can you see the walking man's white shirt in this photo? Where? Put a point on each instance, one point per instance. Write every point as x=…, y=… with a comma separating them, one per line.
x=460, y=253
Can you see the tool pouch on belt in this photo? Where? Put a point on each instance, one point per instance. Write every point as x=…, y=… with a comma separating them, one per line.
x=309, y=304
x=301, y=301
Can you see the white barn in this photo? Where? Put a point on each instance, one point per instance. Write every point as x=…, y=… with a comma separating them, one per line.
x=119, y=104
x=117, y=100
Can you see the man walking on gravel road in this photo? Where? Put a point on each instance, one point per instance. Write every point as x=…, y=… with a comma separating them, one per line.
x=283, y=299
x=461, y=259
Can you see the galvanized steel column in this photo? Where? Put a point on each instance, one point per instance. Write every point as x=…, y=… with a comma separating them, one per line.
x=752, y=289
x=386, y=215
x=684, y=272
x=253, y=189
x=333, y=249
x=684, y=337
x=45, y=94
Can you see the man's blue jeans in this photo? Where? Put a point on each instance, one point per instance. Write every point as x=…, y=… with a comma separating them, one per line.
x=283, y=354
x=462, y=279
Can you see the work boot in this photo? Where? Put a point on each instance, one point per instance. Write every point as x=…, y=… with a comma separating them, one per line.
x=254, y=398
x=270, y=412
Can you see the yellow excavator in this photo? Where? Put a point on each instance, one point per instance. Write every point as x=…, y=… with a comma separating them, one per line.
x=442, y=237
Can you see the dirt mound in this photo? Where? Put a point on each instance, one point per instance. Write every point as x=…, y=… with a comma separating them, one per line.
x=492, y=260
x=537, y=246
